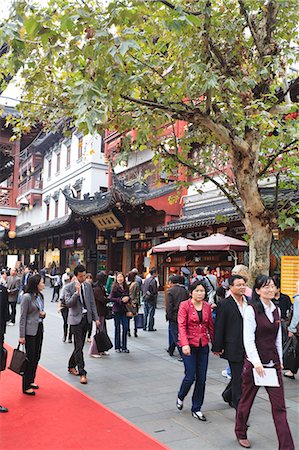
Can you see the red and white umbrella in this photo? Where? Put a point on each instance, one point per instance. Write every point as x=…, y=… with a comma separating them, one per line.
x=217, y=242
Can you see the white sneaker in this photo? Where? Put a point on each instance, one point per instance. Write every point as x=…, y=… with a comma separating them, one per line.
x=10, y=324
x=96, y=356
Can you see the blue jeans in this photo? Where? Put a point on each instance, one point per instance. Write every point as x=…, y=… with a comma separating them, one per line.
x=149, y=312
x=120, y=321
x=196, y=366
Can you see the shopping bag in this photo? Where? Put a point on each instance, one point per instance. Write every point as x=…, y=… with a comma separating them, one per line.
x=93, y=349
x=289, y=354
x=3, y=358
x=18, y=361
x=103, y=341
x=139, y=320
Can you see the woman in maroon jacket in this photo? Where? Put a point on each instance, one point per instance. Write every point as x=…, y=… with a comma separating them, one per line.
x=196, y=328
x=119, y=295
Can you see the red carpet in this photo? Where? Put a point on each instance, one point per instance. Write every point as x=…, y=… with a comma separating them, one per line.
x=62, y=417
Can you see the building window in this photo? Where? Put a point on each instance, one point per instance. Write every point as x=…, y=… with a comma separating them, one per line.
x=66, y=209
x=49, y=168
x=58, y=163
x=80, y=148
x=79, y=194
x=68, y=156
x=47, y=211
x=56, y=209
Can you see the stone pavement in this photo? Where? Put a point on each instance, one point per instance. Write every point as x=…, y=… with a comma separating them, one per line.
x=142, y=386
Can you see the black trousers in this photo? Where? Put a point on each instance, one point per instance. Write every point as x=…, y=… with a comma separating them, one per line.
x=79, y=332
x=66, y=327
x=13, y=308
x=33, y=347
x=233, y=391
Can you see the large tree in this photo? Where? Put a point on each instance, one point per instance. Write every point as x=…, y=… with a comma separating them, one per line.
x=221, y=66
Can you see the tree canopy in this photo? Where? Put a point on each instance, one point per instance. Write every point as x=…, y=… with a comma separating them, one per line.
x=222, y=66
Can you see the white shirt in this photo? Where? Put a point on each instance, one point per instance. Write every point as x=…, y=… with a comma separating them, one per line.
x=242, y=307
x=65, y=278
x=249, y=328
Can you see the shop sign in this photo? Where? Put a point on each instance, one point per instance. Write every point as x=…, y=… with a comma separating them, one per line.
x=69, y=242
x=102, y=246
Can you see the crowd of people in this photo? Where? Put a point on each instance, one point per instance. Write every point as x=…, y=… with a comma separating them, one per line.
x=247, y=327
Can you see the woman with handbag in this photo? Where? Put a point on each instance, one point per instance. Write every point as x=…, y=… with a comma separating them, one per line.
x=101, y=300
x=293, y=330
x=263, y=347
x=134, y=292
x=119, y=295
x=31, y=330
x=196, y=329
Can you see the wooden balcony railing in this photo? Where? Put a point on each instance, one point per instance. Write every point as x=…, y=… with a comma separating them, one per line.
x=29, y=185
x=6, y=198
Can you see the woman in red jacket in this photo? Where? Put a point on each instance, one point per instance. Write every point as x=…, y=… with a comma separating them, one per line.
x=196, y=328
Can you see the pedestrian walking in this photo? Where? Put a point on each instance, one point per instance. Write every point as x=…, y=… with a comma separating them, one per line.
x=134, y=293
x=67, y=329
x=149, y=296
x=228, y=342
x=79, y=299
x=174, y=296
x=101, y=300
x=13, y=287
x=89, y=279
x=196, y=329
x=119, y=295
x=32, y=330
x=263, y=345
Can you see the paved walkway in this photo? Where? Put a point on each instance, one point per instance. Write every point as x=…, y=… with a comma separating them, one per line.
x=142, y=386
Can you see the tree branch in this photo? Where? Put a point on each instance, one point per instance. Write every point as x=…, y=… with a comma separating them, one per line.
x=250, y=25
x=206, y=177
x=171, y=6
x=289, y=147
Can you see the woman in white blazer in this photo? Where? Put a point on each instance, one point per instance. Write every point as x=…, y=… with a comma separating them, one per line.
x=31, y=330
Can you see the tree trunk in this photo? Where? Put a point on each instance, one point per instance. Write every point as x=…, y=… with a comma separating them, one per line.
x=258, y=221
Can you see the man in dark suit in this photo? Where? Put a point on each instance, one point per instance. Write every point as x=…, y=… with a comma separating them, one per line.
x=174, y=296
x=79, y=299
x=3, y=320
x=228, y=340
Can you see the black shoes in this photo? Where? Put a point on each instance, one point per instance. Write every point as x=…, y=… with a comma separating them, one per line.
x=125, y=350
x=118, y=350
x=3, y=409
x=152, y=329
x=29, y=392
x=135, y=334
x=179, y=404
x=34, y=386
x=199, y=416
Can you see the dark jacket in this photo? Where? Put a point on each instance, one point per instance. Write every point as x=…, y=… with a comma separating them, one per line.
x=150, y=290
x=4, y=314
x=174, y=296
x=229, y=331
x=116, y=295
x=284, y=303
x=101, y=299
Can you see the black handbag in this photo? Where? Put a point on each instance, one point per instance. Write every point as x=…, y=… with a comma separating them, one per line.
x=18, y=361
x=3, y=359
x=289, y=354
x=102, y=341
